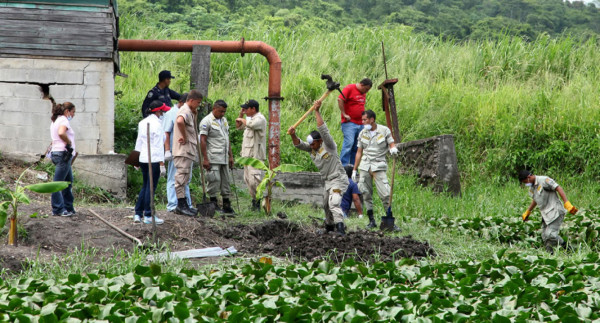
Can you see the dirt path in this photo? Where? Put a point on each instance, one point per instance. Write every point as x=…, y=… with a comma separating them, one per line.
x=47, y=236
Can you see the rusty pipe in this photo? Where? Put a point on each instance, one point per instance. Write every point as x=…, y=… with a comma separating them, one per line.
x=228, y=46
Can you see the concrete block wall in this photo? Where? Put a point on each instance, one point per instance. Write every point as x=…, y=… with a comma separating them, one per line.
x=106, y=171
x=25, y=122
x=434, y=162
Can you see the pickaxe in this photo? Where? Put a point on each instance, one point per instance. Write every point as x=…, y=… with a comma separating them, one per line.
x=331, y=86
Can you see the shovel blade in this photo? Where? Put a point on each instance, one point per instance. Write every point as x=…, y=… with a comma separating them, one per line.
x=206, y=209
x=387, y=223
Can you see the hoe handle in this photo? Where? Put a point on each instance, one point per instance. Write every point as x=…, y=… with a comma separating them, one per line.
x=310, y=110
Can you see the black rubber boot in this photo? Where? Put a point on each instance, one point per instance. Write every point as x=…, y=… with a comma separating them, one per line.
x=341, y=229
x=329, y=228
x=183, y=208
x=227, y=206
x=372, y=224
x=214, y=201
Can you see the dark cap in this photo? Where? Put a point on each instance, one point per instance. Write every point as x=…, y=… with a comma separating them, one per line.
x=165, y=75
x=250, y=104
x=524, y=174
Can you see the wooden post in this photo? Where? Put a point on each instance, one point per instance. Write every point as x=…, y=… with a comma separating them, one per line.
x=151, y=186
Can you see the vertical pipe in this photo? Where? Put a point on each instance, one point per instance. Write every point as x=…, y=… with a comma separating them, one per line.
x=274, y=96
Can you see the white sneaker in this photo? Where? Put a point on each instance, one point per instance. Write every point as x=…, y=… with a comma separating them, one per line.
x=137, y=219
x=148, y=220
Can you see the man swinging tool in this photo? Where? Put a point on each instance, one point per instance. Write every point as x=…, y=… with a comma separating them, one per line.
x=542, y=190
x=323, y=152
x=374, y=141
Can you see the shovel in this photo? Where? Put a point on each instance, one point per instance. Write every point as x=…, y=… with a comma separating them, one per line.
x=206, y=208
x=387, y=221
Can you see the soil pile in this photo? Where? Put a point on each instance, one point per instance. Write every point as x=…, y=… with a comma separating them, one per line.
x=287, y=239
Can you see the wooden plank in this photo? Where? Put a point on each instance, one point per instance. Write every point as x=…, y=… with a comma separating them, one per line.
x=56, y=53
x=64, y=26
x=18, y=11
x=74, y=40
x=73, y=2
x=52, y=47
x=57, y=18
x=53, y=34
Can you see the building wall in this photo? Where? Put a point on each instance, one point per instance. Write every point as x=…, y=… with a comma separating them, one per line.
x=25, y=121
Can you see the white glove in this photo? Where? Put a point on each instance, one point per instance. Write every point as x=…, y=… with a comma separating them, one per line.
x=163, y=171
x=394, y=151
x=168, y=156
x=354, y=175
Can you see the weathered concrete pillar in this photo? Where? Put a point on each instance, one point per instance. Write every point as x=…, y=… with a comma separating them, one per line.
x=434, y=161
x=200, y=75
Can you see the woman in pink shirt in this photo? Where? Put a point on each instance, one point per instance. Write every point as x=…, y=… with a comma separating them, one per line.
x=63, y=149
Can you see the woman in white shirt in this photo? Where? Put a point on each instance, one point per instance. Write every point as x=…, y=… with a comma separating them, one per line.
x=143, y=212
x=63, y=150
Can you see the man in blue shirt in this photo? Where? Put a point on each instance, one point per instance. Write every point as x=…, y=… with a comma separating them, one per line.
x=168, y=122
x=352, y=194
x=161, y=92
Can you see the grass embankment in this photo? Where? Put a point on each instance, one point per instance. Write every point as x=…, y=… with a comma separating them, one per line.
x=509, y=103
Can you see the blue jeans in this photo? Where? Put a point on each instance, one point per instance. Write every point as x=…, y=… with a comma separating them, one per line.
x=171, y=194
x=62, y=201
x=350, y=131
x=142, y=207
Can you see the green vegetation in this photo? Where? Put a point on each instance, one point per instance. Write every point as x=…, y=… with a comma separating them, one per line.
x=268, y=181
x=448, y=19
x=516, y=82
x=499, y=289
x=509, y=103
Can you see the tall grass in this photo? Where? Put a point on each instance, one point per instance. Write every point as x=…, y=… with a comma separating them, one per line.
x=510, y=103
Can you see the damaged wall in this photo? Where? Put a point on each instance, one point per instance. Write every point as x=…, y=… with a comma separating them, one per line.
x=434, y=162
x=25, y=122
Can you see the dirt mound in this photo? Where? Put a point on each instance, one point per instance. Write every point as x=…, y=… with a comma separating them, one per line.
x=45, y=237
x=287, y=239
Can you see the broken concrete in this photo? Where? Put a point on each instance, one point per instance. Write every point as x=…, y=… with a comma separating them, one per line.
x=108, y=172
x=24, y=83
x=434, y=162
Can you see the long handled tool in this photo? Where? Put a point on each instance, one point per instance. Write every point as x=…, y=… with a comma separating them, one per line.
x=206, y=208
x=331, y=86
x=129, y=236
x=389, y=106
x=154, y=238
x=237, y=200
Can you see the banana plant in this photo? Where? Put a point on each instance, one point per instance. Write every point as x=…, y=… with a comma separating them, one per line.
x=19, y=196
x=268, y=180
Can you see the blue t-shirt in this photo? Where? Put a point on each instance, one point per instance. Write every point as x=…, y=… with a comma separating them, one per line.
x=168, y=123
x=347, y=197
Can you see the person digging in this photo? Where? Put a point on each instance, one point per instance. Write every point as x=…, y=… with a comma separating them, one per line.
x=542, y=190
x=374, y=142
x=323, y=152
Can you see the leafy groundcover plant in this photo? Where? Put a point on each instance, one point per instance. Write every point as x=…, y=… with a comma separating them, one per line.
x=501, y=289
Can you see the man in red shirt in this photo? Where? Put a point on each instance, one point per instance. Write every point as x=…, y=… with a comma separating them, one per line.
x=352, y=108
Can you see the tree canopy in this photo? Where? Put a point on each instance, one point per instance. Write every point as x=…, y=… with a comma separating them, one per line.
x=449, y=19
